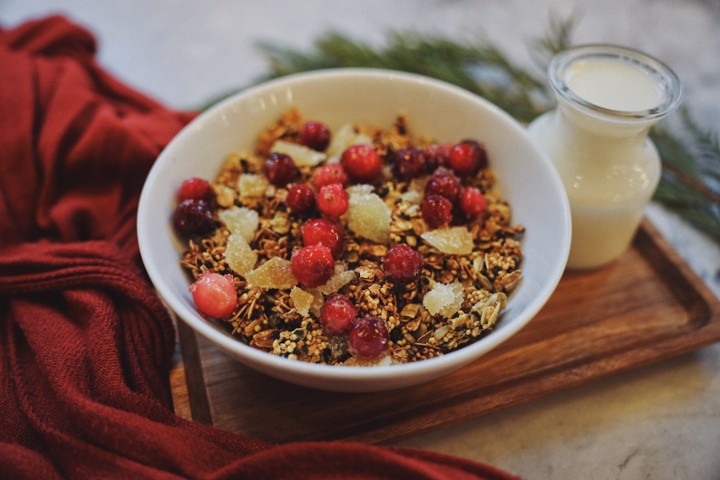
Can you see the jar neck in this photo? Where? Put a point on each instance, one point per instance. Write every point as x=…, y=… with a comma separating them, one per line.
x=583, y=122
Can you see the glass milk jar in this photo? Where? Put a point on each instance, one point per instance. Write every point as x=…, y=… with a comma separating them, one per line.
x=597, y=137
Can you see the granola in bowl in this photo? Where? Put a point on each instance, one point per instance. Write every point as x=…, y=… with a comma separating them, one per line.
x=367, y=245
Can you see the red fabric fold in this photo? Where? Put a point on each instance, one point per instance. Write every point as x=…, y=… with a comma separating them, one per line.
x=86, y=346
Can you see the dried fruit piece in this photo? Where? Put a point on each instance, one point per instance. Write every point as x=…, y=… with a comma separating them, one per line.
x=196, y=188
x=408, y=163
x=302, y=300
x=368, y=216
x=330, y=173
x=436, y=211
x=453, y=240
x=361, y=162
x=302, y=155
x=252, y=185
x=341, y=277
x=402, y=264
x=300, y=198
x=444, y=300
x=337, y=314
x=312, y=265
x=332, y=200
x=239, y=255
x=214, y=295
x=315, y=135
x=472, y=202
x=193, y=217
x=275, y=273
x=368, y=338
x=325, y=232
x=280, y=169
x=444, y=183
x=240, y=220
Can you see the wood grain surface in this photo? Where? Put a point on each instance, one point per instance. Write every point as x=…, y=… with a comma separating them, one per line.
x=645, y=307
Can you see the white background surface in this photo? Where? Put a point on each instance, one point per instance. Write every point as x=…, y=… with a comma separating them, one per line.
x=658, y=422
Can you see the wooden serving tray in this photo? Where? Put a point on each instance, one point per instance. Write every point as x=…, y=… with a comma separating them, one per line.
x=644, y=307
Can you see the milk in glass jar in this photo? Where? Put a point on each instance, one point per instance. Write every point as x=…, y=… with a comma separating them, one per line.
x=608, y=98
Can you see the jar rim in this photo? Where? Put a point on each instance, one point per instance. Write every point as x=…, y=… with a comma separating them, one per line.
x=670, y=81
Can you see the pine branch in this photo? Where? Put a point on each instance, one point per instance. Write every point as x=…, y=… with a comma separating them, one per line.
x=690, y=183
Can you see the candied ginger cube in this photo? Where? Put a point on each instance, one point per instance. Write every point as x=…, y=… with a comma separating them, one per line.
x=252, y=185
x=275, y=273
x=369, y=217
x=341, y=277
x=302, y=300
x=453, y=240
x=239, y=255
x=444, y=300
x=240, y=220
x=301, y=155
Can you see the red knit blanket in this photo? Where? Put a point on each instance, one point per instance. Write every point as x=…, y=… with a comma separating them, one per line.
x=85, y=345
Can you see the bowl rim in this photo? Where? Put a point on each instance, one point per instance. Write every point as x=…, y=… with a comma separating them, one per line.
x=263, y=360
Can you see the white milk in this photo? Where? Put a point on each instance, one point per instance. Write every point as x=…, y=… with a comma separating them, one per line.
x=597, y=139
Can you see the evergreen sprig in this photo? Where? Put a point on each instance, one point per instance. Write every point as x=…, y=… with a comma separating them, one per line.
x=690, y=183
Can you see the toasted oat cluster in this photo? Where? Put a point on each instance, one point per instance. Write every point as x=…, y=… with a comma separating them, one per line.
x=367, y=245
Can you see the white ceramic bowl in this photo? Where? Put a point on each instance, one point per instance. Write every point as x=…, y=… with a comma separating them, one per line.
x=436, y=109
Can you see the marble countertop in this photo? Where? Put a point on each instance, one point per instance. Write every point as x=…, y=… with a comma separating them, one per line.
x=660, y=421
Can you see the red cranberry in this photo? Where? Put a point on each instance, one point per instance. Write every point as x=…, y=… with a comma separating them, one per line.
x=472, y=202
x=467, y=157
x=193, y=217
x=402, y=264
x=280, y=169
x=300, y=198
x=436, y=155
x=330, y=173
x=332, y=200
x=312, y=265
x=337, y=314
x=443, y=183
x=408, y=163
x=214, y=295
x=324, y=232
x=196, y=189
x=361, y=162
x=436, y=211
x=315, y=135
x=483, y=159
x=368, y=338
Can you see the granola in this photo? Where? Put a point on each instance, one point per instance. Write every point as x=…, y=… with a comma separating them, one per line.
x=468, y=267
